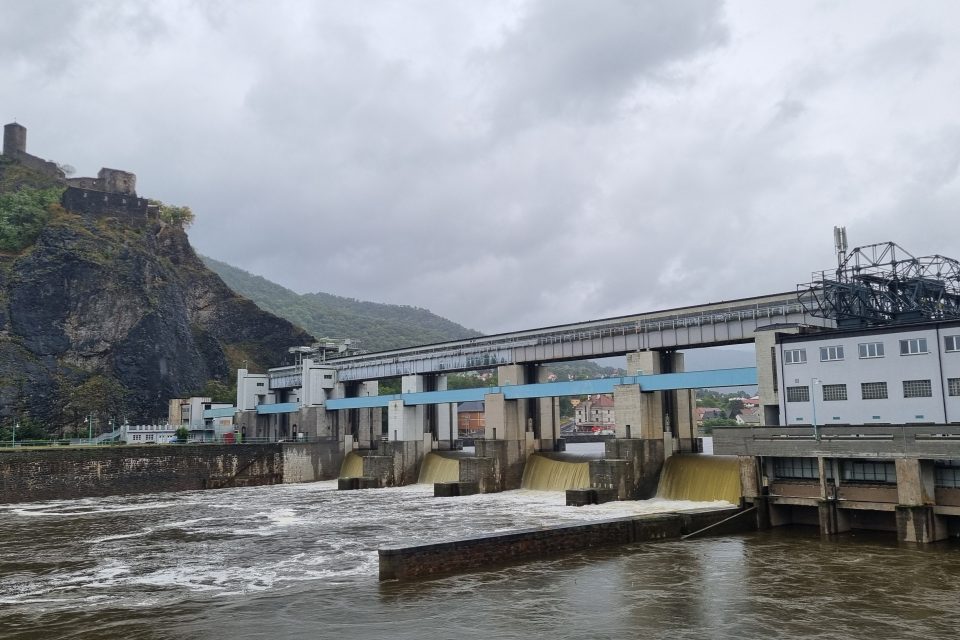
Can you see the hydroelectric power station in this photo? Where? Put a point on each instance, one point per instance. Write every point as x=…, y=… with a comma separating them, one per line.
x=873, y=344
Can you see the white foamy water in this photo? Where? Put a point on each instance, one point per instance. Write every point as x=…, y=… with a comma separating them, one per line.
x=234, y=541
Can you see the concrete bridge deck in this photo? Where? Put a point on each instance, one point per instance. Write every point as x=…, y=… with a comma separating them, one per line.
x=713, y=324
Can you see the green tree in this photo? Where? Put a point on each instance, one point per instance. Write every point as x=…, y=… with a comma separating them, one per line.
x=23, y=213
x=171, y=214
x=182, y=433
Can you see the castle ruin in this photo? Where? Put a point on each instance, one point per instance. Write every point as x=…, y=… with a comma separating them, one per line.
x=113, y=192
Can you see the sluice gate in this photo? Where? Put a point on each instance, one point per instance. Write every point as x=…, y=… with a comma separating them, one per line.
x=553, y=472
x=700, y=478
x=439, y=467
x=352, y=466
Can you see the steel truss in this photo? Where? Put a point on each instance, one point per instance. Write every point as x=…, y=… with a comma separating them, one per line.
x=882, y=284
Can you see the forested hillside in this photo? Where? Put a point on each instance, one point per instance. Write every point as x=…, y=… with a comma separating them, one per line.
x=377, y=326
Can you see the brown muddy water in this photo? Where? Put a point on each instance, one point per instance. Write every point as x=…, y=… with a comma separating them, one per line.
x=299, y=561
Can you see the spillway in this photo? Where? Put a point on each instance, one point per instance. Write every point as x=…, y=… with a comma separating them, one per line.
x=551, y=472
x=439, y=467
x=700, y=478
x=352, y=465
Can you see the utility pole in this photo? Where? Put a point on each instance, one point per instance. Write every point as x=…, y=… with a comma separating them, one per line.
x=89, y=428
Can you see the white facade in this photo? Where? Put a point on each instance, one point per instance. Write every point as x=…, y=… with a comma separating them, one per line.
x=892, y=375
x=148, y=433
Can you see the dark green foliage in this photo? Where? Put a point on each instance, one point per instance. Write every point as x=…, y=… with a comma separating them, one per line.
x=376, y=326
x=177, y=216
x=182, y=433
x=710, y=423
x=23, y=213
x=220, y=391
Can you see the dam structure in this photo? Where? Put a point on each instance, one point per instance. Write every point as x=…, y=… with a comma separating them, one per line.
x=332, y=392
x=873, y=345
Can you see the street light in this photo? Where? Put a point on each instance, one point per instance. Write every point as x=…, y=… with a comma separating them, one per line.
x=813, y=399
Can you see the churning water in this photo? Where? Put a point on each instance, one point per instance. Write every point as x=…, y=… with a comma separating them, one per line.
x=299, y=561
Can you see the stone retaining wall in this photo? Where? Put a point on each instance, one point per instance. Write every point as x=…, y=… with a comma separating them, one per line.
x=28, y=475
x=470, y=554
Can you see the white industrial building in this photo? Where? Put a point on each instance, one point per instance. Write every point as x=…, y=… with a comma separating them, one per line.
x=899, y=374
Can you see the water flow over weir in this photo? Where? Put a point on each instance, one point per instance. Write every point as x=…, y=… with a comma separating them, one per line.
x=440, y=467
x=555, y=473
x=700, y=478
x=352, y=465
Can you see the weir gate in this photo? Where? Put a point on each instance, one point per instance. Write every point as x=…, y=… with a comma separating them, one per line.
x=331, y=394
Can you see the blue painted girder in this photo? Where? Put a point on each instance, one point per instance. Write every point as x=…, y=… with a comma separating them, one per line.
x=742, y=377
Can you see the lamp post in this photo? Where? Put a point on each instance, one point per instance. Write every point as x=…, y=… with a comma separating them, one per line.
x=13, y=442
x=814, y=382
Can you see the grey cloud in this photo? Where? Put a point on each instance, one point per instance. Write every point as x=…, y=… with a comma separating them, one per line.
x=510, y=164
x=578, y=59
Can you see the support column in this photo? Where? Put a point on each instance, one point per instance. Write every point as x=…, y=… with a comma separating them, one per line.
x=916, y=521
x=506, y=442
x=369, y=426
x=651, y=405
x=548, y=416
x=446, y=417
x=684, y=406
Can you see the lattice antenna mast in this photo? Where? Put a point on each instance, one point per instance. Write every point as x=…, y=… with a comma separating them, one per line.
x=840, y=244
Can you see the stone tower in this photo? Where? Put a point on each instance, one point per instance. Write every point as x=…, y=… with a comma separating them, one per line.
x=116, y=181
x=14, y=140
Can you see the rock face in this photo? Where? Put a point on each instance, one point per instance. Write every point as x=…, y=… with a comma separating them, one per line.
x=126, y=300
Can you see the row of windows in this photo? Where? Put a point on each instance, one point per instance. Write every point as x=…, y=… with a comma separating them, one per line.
x=872, y=390
x=908, y=347
x=852, y=470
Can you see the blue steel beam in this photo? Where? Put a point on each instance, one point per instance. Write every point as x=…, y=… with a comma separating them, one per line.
x=224, y=412
x=743, y=377
x=280, y=407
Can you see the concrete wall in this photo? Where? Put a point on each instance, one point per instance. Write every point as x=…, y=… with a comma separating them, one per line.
x=58, y=473
x=471, y=554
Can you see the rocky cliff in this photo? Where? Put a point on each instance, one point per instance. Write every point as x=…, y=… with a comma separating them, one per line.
x=112, y=314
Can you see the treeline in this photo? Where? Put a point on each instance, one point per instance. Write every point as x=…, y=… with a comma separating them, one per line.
x=376, y=326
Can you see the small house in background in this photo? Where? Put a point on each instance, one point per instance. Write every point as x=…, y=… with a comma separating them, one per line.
x=595, y=411
x=749, y=417
x=708, y=413
x=471, y=419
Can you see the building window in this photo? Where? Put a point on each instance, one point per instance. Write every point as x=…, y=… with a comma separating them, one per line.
x=869, y=471
x=798, y=394
x=796, y=468
x=259, y=384
x=794, y=356
x=947, y=473
x=828, y=354
x=953, y=386
x=873, y=390
x=834, y=392
x=917, y=389
x=913, y=346
x=871, y=349
x=951, y=343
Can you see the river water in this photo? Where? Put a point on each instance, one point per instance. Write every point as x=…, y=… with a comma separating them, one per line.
x=299, y=561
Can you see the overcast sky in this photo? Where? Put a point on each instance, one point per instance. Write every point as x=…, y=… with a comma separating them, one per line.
x=509, y=164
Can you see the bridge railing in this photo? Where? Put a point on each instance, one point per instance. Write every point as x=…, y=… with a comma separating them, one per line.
x=863, y=441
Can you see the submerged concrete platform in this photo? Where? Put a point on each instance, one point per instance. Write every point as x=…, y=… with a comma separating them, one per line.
x=419, y=561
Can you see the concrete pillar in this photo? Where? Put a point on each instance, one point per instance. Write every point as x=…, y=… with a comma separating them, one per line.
x=916, y=521
x=404, y=424
x=510, y=374
x=684, y=407
x=548, y=416
x=749, y=477
x=832, y=519
x=446, y=418
x=502, y=418
x=651, y=404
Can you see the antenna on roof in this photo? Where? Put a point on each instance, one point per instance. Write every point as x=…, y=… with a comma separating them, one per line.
x=840, y=244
